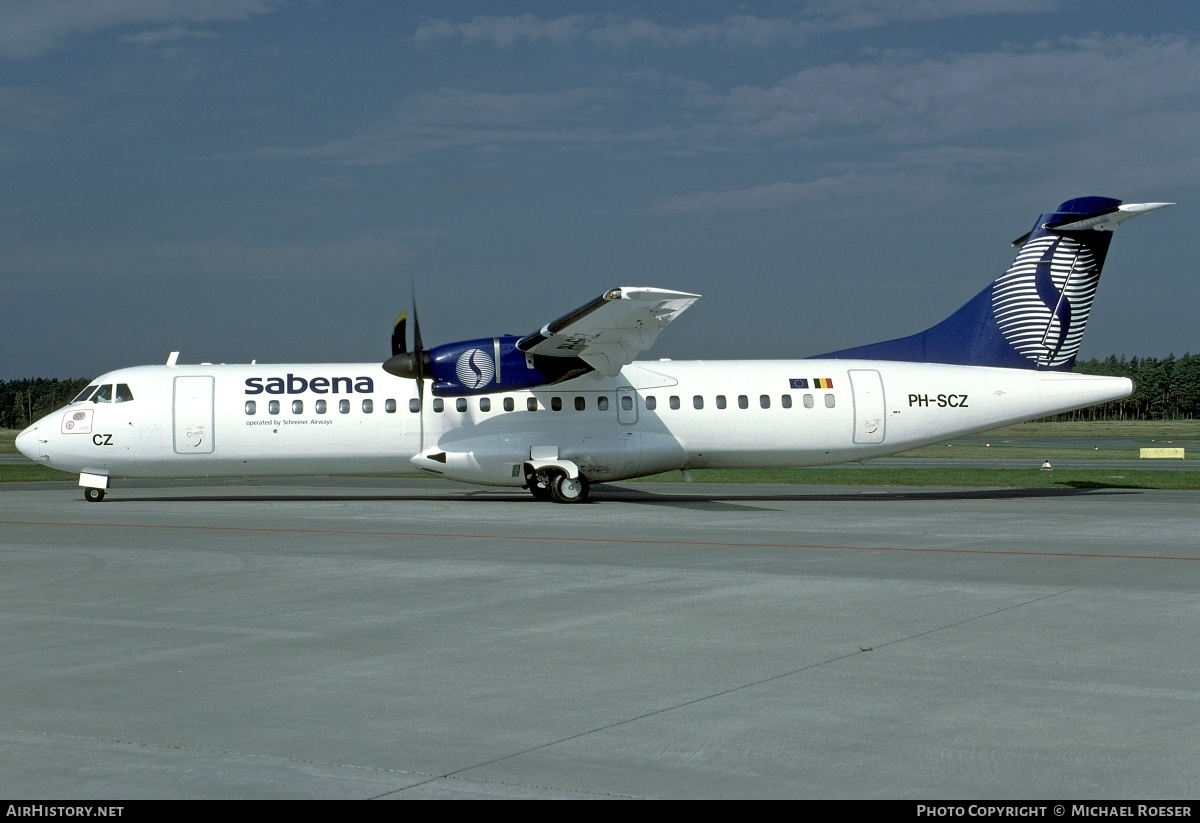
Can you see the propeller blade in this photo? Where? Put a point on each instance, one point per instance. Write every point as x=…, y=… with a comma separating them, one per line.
x=400, y=335
x=417, y=346
x=413, y=365
x=420, y=357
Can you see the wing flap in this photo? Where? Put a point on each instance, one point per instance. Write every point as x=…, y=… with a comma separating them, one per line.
x=610, y=331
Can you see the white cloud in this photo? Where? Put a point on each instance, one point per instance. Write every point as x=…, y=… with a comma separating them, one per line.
x=882, y=188
x=504, y=31
x=738, y=30
x=992, y=98
x=31, y=27
x=846, y=15
x=1067, y=86
x=482, y=121
x=170, y=33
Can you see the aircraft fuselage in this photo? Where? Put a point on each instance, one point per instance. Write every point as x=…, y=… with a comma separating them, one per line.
x=654, y=416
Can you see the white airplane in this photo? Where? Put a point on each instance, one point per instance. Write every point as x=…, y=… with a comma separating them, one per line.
x=567, y=406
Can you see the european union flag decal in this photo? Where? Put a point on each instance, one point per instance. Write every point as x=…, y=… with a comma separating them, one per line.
x=798, y=383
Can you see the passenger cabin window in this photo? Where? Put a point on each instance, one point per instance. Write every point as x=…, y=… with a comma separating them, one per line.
x=651, y=402
x=531, y=404
x=103, y=395
x=830, y=402
x=580, y=404
x=674, y=401
x=273, y=407
x=251, y=407
x=124, y=395
x=389, y=406
x=297, y=407
x=414, y=405
x=556, y=404
x=626, y=402
x=764, y=400
x=743, y=401
x=343, y=407
x=85, y=394
x=368, y=406
x=786, y=401
x=509, y=404
x=720, y=401
x=322, y=406
x=808, y=401
x=460, y=404
x=697, y=402
x=439, y=405
x=485, y=404
x=602, y=403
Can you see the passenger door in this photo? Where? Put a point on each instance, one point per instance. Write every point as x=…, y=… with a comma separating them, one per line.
x=192, y=413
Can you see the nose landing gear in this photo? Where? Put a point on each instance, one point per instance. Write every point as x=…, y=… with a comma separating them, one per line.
x=93, y=486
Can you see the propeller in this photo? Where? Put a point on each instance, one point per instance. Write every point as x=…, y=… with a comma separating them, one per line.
x=412, y=365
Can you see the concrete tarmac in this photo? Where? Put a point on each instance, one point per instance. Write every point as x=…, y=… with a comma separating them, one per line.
x=404, y=639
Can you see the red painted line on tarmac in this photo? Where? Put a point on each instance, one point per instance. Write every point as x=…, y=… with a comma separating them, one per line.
x=613, y=540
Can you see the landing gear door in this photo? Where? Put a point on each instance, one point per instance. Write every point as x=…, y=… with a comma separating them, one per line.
x=627, y=413
x=869, y=415
x=193, y=415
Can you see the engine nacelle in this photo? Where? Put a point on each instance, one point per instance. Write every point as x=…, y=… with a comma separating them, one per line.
x=484, y=366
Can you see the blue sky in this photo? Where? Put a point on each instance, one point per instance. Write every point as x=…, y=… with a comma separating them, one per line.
x=270, y=179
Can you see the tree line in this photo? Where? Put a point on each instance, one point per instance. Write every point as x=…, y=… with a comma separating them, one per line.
x=1163, y=389
x=24, y=401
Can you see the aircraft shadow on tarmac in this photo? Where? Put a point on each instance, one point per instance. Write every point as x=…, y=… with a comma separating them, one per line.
x=603, y=493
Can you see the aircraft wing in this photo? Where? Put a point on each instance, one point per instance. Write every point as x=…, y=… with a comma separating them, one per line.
x=610, y=331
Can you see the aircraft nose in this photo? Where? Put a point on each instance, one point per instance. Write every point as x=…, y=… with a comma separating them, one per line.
x=27, y=444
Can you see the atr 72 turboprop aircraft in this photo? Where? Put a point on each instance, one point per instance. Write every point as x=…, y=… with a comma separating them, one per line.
x=567, y=406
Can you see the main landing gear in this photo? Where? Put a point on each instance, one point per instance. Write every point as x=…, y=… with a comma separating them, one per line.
x=566, y=490
x=551, y=484
x=93, y=495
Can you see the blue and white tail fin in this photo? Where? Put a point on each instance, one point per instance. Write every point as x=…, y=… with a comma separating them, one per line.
x=1034, y=315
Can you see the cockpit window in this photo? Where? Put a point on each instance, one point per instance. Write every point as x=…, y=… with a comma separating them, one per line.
x=124, y=395
x=85, y=394
x=103, y=395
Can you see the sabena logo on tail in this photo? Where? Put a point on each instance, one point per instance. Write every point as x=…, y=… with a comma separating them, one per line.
x=1042, y=302
x=1033, y=316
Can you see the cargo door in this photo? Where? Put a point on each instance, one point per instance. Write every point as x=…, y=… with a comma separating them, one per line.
x=870, y=419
